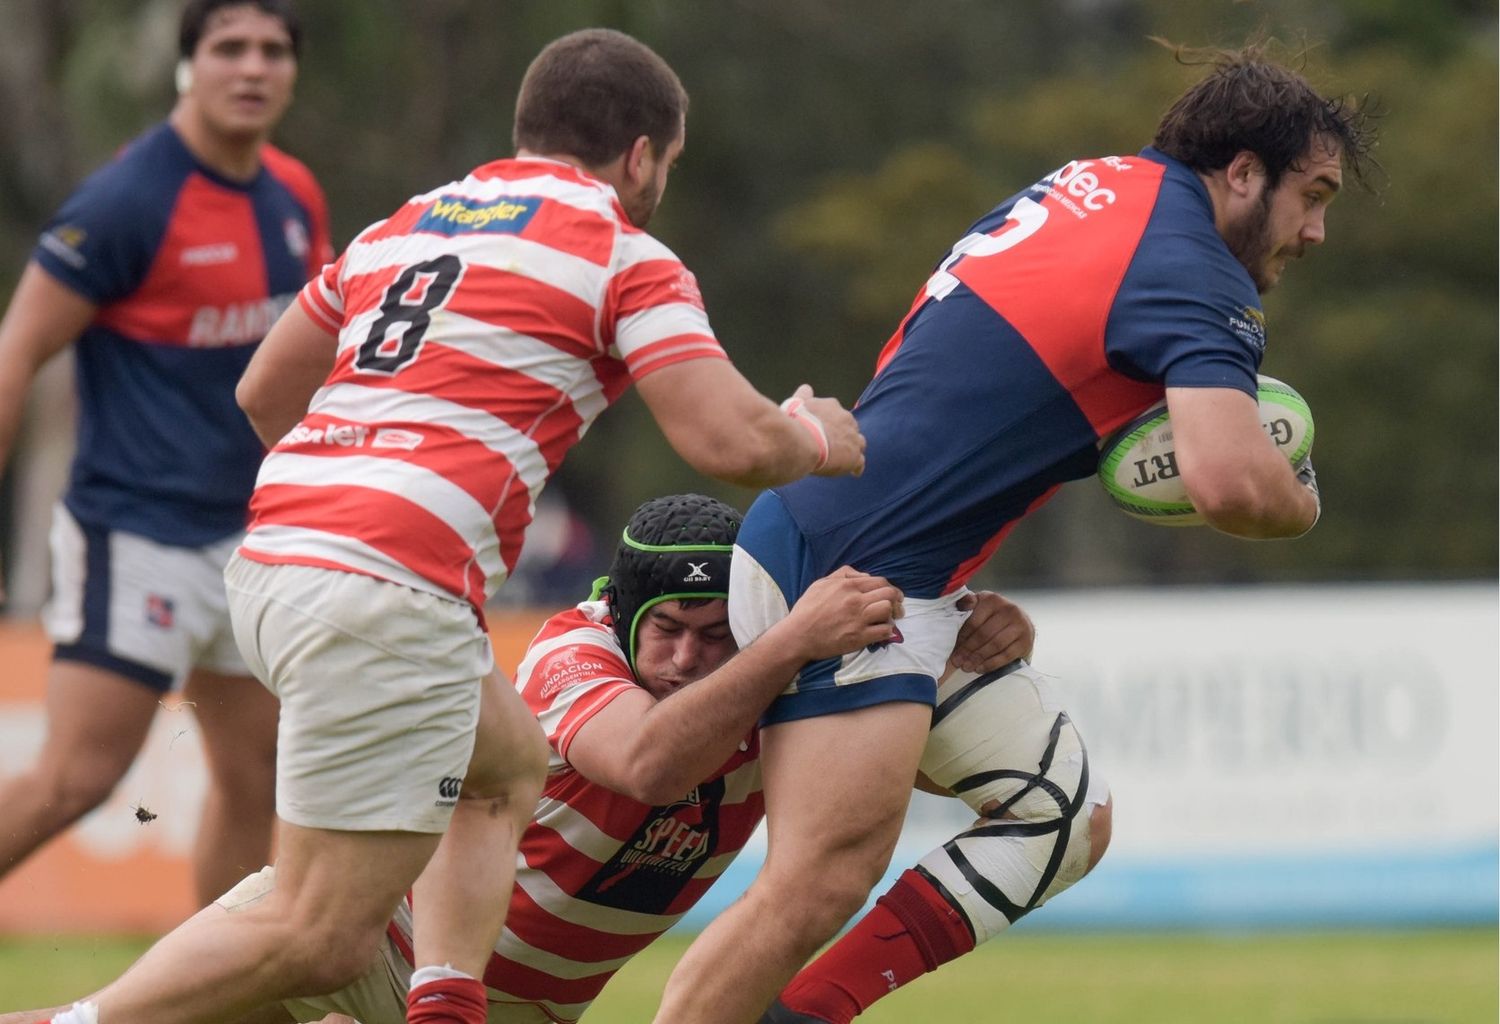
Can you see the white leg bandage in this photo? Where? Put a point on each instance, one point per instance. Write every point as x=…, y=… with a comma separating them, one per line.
x=1003, y=743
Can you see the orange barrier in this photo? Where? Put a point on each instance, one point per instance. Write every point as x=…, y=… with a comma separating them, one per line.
x=113, y=872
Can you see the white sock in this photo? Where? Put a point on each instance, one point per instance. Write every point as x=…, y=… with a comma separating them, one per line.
x=79, y=1013
x=421, y=976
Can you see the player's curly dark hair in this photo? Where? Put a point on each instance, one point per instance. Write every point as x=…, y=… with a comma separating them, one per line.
x=592, y=93
x=1249, y=102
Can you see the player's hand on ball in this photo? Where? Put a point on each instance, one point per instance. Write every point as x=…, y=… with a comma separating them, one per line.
x=846, y=445
x=996, y=633
x=1309, y=479
x=844, y=611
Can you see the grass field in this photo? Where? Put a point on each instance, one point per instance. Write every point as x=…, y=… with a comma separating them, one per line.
x=1419, y=977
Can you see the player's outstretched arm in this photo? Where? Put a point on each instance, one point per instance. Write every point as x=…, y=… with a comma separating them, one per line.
x=1232, y=471
x=655, y=751
x=724, y=428
x=288, y=367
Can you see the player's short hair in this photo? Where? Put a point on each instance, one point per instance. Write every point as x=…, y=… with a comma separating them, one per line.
x=592, y=93
x=1249, y=102
x=675, y=548
x=196, y=14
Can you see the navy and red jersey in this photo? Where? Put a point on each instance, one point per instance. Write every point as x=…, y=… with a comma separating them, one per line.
x=189, y=270
x=1065, y=311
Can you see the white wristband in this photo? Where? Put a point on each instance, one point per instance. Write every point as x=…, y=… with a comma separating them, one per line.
x=797, y=409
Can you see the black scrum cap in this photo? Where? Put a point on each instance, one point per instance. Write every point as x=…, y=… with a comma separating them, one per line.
x=674, y=548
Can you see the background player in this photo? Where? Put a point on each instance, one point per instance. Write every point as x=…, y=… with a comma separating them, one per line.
x=653, y=781
x=453, y=354
x=1060, y=315
x=166, y=267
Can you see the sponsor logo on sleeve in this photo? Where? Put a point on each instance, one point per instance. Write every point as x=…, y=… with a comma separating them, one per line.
x=64, y=242
x=1250, y=324
x=685, y=287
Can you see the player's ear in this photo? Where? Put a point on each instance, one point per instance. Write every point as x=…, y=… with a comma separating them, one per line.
x=182, y=77
x=635, y=158
x=1243, y=171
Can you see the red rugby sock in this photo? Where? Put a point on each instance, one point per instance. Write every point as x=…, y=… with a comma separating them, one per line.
x=910, y=931
x=448, y=1001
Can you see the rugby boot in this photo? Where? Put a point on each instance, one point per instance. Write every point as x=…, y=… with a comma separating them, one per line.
x=779, y=1014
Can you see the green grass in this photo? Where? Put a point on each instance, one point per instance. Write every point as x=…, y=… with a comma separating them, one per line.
x=1436, y=977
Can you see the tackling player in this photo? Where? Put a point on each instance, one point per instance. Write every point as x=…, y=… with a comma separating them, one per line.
x=453, y=355
x=164, y=270
x=653, y=779
x=1062, y=314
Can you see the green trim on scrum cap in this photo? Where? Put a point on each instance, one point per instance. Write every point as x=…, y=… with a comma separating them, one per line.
x=635, y=625
x=628, y=539
x=597, y=593
x=649, y=568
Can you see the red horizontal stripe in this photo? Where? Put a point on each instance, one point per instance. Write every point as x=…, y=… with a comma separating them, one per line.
x=455, y=376
x=476, y=468
x=525, y=982
x=403, y=531
x=670, y=353
x=537, y=927
x=651, y=283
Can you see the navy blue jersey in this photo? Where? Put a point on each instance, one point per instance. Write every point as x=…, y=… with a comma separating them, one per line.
x=1065, y=311
x=188, y=270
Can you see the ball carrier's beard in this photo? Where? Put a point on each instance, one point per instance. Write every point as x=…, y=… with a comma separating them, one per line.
x=1249, y=239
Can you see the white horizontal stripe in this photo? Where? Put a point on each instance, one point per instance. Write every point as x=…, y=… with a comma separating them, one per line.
x=511, y=254
x=639, y=247
x=524, y=354
x=406, y=481
x=511, y=947
x=578, y=831
x=667, y=320
x=545, y=894
x=413, y=410
x=583, y=636
x=331, y=298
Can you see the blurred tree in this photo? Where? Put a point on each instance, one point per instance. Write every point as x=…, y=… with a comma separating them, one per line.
x=837, y=147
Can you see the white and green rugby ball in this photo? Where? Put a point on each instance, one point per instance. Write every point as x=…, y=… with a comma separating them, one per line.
x=1138, y=463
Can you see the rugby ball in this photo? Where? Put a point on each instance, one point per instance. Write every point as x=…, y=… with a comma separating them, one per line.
x=1138, y=463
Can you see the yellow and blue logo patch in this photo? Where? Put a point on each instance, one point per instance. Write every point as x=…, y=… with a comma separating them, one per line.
x=455, y=215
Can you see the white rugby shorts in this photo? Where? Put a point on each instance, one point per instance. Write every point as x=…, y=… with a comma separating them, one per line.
x=379, y=687
x=906, y=669
x=148, y=611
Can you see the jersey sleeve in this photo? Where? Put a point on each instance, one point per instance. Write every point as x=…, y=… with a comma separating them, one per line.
x=102, y=240
x=653, y=313
x=322, y=298
x=571, y=671
x=1186, y=314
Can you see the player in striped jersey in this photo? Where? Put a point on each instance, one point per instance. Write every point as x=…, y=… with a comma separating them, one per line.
x=416, y=399
x=163, y=271
x=653, y=776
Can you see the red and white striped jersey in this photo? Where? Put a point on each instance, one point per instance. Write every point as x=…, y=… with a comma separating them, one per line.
x=601, y=875
x=481, y=330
